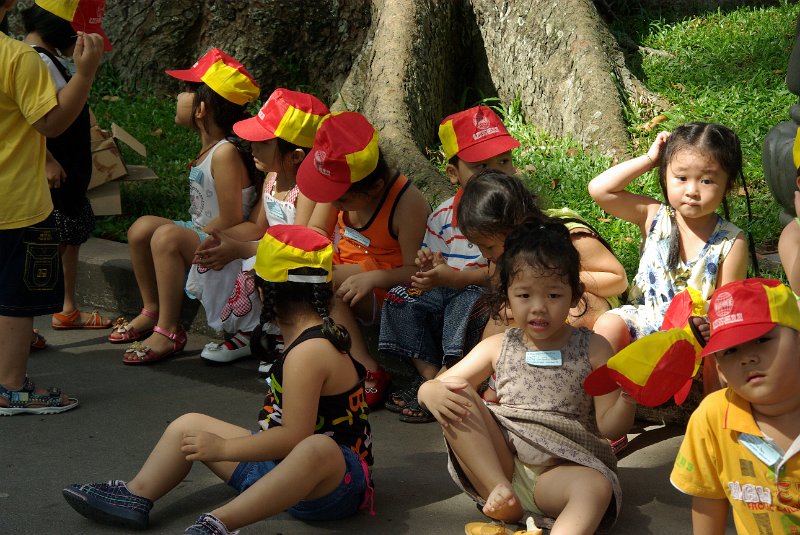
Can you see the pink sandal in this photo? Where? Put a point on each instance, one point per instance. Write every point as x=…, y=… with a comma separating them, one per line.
x=127, y=333
x=138, y=353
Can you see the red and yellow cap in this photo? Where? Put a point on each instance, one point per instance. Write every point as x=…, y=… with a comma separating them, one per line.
x=743, y=310
x=475, y=134
x=226, y=76
x=84, y=15
x=345, y=151
x=289, y=115
x=285, y=248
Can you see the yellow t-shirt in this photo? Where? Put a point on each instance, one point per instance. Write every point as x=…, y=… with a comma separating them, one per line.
x=714, y=461
x=27, y=94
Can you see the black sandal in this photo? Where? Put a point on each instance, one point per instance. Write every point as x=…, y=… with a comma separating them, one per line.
x=420, y=416
x=407, y=396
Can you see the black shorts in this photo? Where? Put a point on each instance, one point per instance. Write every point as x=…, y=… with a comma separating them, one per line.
x=31, y=282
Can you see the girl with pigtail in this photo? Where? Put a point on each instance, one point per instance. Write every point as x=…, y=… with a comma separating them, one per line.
x=313, y=449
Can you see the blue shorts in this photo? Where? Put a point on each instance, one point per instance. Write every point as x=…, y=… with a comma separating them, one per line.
x=345, y=500
x=438, y=326
x=191, y=226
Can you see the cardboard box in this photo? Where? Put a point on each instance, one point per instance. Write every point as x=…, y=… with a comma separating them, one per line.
x=108, y=167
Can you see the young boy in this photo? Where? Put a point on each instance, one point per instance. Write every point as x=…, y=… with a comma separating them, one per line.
x=429, y=322
x=741, y=444
x=30, y=272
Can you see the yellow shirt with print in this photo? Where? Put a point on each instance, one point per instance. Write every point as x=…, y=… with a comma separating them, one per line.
x=27, y=94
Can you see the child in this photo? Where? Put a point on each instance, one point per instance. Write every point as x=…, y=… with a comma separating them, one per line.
x=280, y=136
x=430, y=322
x=30, y=272
x=740, y=449
x=312, y=453
x=69, y=163
x=685, y=242
x=379, y=226
x=789, y=245
x=219, y=89
x=541, y=449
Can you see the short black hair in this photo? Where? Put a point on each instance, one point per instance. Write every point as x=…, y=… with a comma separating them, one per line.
x=53, y=30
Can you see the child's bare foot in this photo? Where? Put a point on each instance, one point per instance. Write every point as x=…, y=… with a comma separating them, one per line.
x=503, y=504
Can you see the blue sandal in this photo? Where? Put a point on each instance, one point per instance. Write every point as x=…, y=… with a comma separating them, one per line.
x=27, y=401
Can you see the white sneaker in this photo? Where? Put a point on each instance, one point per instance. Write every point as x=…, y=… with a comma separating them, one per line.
x=237, y=347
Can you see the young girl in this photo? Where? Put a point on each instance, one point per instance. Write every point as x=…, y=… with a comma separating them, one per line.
x=68, y=167
x=380, y=221
x=219, y=89
x=312, y=453
x=685, y=242
x=280, y=136
x=541, y=449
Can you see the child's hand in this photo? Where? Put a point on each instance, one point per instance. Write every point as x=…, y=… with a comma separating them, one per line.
x=215, y=251
x=444, y=401
x=54, y=172
x=424, y=260
x=654, y=154
x=88, y=52
x=437, y=276
x=355, y=288
x=203, y=446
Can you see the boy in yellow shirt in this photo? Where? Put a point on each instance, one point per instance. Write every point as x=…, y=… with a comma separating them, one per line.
x=741, y=446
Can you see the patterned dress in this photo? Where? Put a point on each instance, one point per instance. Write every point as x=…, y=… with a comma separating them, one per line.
x=654, y=285
x=546, y=416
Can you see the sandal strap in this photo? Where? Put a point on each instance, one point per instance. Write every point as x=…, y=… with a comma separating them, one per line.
x=26, y=395
x=149, y=313
x=169, y=334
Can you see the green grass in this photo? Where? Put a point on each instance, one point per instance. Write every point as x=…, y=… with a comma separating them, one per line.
x=723, y=67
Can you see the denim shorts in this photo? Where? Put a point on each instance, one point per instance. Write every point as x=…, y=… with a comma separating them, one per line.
x=438, y=326
x=31, y=281
x=345, y=500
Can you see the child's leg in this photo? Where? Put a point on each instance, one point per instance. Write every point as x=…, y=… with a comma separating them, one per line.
x=167, y=466
x=484, y=455
x=139, y=237
x=614, y=329
x=344, y=316
x=586, y=314
x=172, y=249
x=576, y=496
x=313, y=469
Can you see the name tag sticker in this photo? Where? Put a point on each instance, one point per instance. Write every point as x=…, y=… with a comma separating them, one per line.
x=356, y=236
x=760, y=448
x=543, y=358
x=276, y=210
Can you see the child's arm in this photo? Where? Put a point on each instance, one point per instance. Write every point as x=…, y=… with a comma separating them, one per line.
x=616, y=411
x=304, y=210
x=608, y=188
x=437, y=394
x=230, y=177
x=734, y=266
x=53, y=171
x=789, y=249
x=323, y=219
x=435, y=273
x=709, y=516
x=601, y=272
x=409, y=225
x=72, y=97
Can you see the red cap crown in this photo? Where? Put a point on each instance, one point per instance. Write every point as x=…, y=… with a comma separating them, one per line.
x=226, y=76
x=289, y=115
x=475, y=134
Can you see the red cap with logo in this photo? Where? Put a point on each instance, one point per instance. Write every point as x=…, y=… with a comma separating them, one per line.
x=226, y=76
x=290, y=115
x=475, y=134
x=743, y=310
x=345, y=151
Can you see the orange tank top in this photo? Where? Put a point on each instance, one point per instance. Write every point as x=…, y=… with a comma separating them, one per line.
x=373, y=246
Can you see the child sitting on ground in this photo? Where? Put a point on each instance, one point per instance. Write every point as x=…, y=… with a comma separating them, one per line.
x=380, y=222
x=313, y=451
x=280, y=137
x=541, y=449
x=740, y=451
x=221, y=190
x=430, y=321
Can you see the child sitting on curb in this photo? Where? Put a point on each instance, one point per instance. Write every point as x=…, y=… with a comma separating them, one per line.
x=379, y=225
x=740, y=451
x=430, y=322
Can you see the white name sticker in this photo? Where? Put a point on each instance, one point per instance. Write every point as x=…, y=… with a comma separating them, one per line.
x=276, y=210
x=760, y=448
x=543, y=358
x=356, y=236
